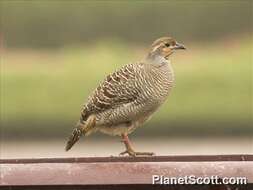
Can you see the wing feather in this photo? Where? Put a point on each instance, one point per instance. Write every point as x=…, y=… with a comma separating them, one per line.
x=117, y=89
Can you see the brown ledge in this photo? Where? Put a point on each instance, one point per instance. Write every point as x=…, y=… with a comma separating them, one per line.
x=113, y=171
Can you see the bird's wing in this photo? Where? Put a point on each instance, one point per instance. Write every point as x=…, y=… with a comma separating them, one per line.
x=117, y=89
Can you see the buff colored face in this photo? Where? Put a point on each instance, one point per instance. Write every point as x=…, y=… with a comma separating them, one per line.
x=166, y=46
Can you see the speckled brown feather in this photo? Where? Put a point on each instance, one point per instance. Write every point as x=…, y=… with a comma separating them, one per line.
x=115, y=90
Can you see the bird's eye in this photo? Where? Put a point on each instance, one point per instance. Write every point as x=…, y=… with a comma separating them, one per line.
x=167, y=44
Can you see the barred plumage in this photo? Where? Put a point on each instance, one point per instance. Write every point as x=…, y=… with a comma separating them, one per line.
x=129, y=96
x=76, y=134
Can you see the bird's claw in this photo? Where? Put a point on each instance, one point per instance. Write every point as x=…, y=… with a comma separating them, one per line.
x=129, y=152
x=134, y=154
x=145, y=153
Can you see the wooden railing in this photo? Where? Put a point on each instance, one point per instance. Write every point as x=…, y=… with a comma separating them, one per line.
x=120, y=172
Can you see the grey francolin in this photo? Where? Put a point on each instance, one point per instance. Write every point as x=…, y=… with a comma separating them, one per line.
x=128, y=97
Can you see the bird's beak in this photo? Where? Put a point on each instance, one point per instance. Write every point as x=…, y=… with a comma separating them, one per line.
x=179, y=46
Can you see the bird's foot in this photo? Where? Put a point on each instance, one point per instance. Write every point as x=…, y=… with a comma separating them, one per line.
x=134, y=154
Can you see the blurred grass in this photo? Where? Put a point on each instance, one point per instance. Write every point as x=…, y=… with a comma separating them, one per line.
x=52, y=24
x=42, y=91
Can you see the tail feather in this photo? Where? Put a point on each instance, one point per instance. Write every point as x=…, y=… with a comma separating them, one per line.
x=81, y=129
x=76, y=134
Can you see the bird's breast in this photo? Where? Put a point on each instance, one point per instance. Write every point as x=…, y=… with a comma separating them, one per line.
x=158, y=83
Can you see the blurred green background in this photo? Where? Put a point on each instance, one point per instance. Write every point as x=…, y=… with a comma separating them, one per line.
x=54, y=53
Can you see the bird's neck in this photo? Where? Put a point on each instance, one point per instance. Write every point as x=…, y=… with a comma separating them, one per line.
x=156, y=60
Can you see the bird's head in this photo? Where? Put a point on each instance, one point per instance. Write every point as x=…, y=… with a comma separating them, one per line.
x=164, y=47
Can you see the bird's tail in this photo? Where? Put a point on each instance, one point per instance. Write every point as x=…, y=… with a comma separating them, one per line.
x=76, y=134
x=81, y=129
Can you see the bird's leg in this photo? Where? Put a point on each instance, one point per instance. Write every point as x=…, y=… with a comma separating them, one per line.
x=129, y=149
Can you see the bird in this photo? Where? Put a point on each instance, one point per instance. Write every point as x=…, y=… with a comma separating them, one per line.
x=127, y=98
